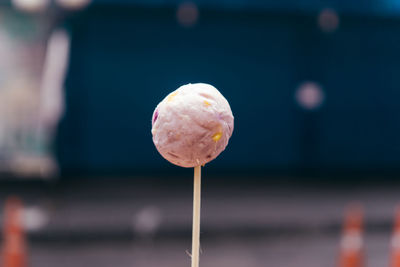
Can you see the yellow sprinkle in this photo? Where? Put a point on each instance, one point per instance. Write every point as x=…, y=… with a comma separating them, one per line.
x=171, y=96
x=206, y=103
x=217, y=136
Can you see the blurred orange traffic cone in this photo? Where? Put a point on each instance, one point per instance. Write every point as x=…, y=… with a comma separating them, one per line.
x=351, y=252
x=395, y=241
x=14, y=243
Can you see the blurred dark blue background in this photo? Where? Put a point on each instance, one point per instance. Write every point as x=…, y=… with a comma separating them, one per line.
x=126, y=56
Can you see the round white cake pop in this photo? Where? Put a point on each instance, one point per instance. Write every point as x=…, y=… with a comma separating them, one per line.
x=192, y=125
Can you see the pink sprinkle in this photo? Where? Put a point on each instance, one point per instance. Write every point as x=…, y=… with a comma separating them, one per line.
x=155, y=116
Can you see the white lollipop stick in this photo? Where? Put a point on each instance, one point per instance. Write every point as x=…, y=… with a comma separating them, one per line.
x=196, y=216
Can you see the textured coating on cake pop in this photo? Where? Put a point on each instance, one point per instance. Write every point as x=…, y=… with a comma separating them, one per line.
x=192, y=125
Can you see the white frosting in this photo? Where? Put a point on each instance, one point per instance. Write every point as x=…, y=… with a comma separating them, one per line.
x=192, y=125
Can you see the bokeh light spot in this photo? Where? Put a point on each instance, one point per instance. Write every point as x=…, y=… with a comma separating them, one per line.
x=30, y=5
x=310, y=95
x=35, y=218
x=328, y=20
x=187, y=14
x=147, y=221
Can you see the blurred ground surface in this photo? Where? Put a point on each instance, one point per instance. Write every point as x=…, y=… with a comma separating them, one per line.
x=307, y=251
x=147, y=223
